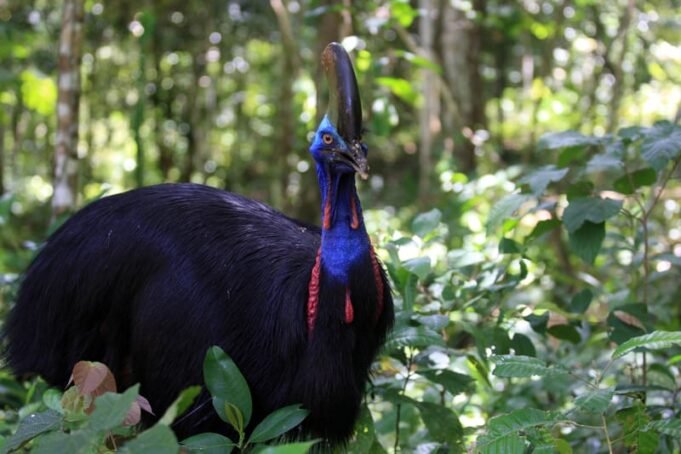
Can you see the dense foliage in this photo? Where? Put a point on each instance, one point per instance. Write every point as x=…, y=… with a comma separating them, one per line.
x=524, y=197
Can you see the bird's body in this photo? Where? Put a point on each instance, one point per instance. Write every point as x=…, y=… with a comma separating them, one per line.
x=148, y=280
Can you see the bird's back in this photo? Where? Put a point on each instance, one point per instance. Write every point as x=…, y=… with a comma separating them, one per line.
x=186, y=263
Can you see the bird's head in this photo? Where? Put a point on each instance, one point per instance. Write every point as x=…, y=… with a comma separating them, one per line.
x=337, y=144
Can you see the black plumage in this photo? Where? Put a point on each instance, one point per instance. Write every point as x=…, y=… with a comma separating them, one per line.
x=147, y=280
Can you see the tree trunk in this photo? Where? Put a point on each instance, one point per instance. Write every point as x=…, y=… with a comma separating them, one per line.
x=66, y=150
x=2, y=158
x=459, y=50
x=285, y=119
x=430, y=112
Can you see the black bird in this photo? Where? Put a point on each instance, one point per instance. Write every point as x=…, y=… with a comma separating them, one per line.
x=148, y=280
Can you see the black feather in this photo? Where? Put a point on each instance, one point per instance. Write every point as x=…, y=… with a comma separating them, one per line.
x=147, y=280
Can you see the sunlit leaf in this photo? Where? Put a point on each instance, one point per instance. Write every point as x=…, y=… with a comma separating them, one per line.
x=426, y=222
x=595, y=401
x=654, y=341
x=662, y=144
x=518, y=366
x=539, y=179
x=567, y=139
x=592, y=209
x=505, y=208
x=671, y=427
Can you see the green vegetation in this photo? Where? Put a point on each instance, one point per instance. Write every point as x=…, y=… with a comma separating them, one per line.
x=524, y=198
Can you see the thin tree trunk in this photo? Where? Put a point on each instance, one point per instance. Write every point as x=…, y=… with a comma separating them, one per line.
x=429, y=115
x=285, y=119
x=460, y=54
x=2, y=159
x=66, y=150
x=617, y=69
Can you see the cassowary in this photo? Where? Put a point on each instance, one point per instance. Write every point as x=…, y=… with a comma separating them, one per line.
x=146, y=281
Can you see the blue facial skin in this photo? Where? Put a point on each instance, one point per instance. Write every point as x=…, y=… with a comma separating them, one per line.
x=342, y=245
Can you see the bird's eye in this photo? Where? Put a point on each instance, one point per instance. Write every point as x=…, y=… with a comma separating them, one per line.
x=327, y=139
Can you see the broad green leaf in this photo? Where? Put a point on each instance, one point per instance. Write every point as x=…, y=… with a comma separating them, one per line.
x=419, y=266
x=539, y=180
x=542, y=228
x=413, y=336
x=225, y=381
x=654, y=341
x=662, y=144
x=595, y=401
x=365, y=432
x=522, y=345
x=603, y=162
x=630, y=182
x=76, y=442
x=538, y=322
x=425, y=223
x=290, y=448
x=208, y=443
x=157, y=440
x=453, y=382
x=632, y=133
x=635, y=421
x=566, y=139
x=403, y=12
x=442, y=423
x=511, y=423
x=580, y=301
x=52, y=400
x=587, y=240
x=278, y=423
x=565, y=332
x=508, y=246
x=401, y=88
x=39, y=92
x=621, y=330
x=518, y=366
x=671, y=427
x=460, y=258
x=505, y=208
x=592, y=209
x=111, y=409
x=32, y=426
x=180, y=405
x=507, y=444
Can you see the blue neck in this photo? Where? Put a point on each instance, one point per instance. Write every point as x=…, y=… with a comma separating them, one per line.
x=344, y=237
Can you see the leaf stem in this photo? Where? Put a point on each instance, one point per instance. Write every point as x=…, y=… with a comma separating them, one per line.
x=398, y=411
x=607, y=435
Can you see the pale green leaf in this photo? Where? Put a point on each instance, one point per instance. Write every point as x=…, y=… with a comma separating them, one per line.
x=654, y=341
x=595, y=401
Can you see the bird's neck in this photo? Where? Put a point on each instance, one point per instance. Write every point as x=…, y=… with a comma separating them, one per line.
x=344, y=237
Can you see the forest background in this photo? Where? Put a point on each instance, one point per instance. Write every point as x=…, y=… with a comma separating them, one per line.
x=524, y=187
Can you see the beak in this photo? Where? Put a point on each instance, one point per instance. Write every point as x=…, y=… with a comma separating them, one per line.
x=345, y=107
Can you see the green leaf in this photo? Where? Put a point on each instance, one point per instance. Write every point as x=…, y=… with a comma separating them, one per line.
x=157, y=440
x=595, y=401
x=581, y=301
x=620, y=321
x=654, y=341
x=538, y=322
x=229, y=413
x=403, y=12
x=278, y=423
x=401, y=88
x=508, y=246
x=425, y=223
x=420, y=266
x=630, y=182
x=453, y=382
x=290, y=448
x=518, y=366
x=542, y=228
x=208, y=443
x=111, y=409
x=635, y=421
x=505, y=425
x=76, y=442
x=413, y=336
x=504, y=209
x=565, y=332
x=507, y=444
x=671, y=427
x=522, y=345
x=592, y=209
x=442, y=423
x=566, y=139
x=32, y=426
x=39, y=92
x=662, y=144
x=539, y=180
x=587, y=240
x=365, y=432
x=225, y=381
x=604, y=162
x=180, y=405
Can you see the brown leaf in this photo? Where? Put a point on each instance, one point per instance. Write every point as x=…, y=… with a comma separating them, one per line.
x=144, y=404
x=629, y=319
x=93, y=378
x=134, y=415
